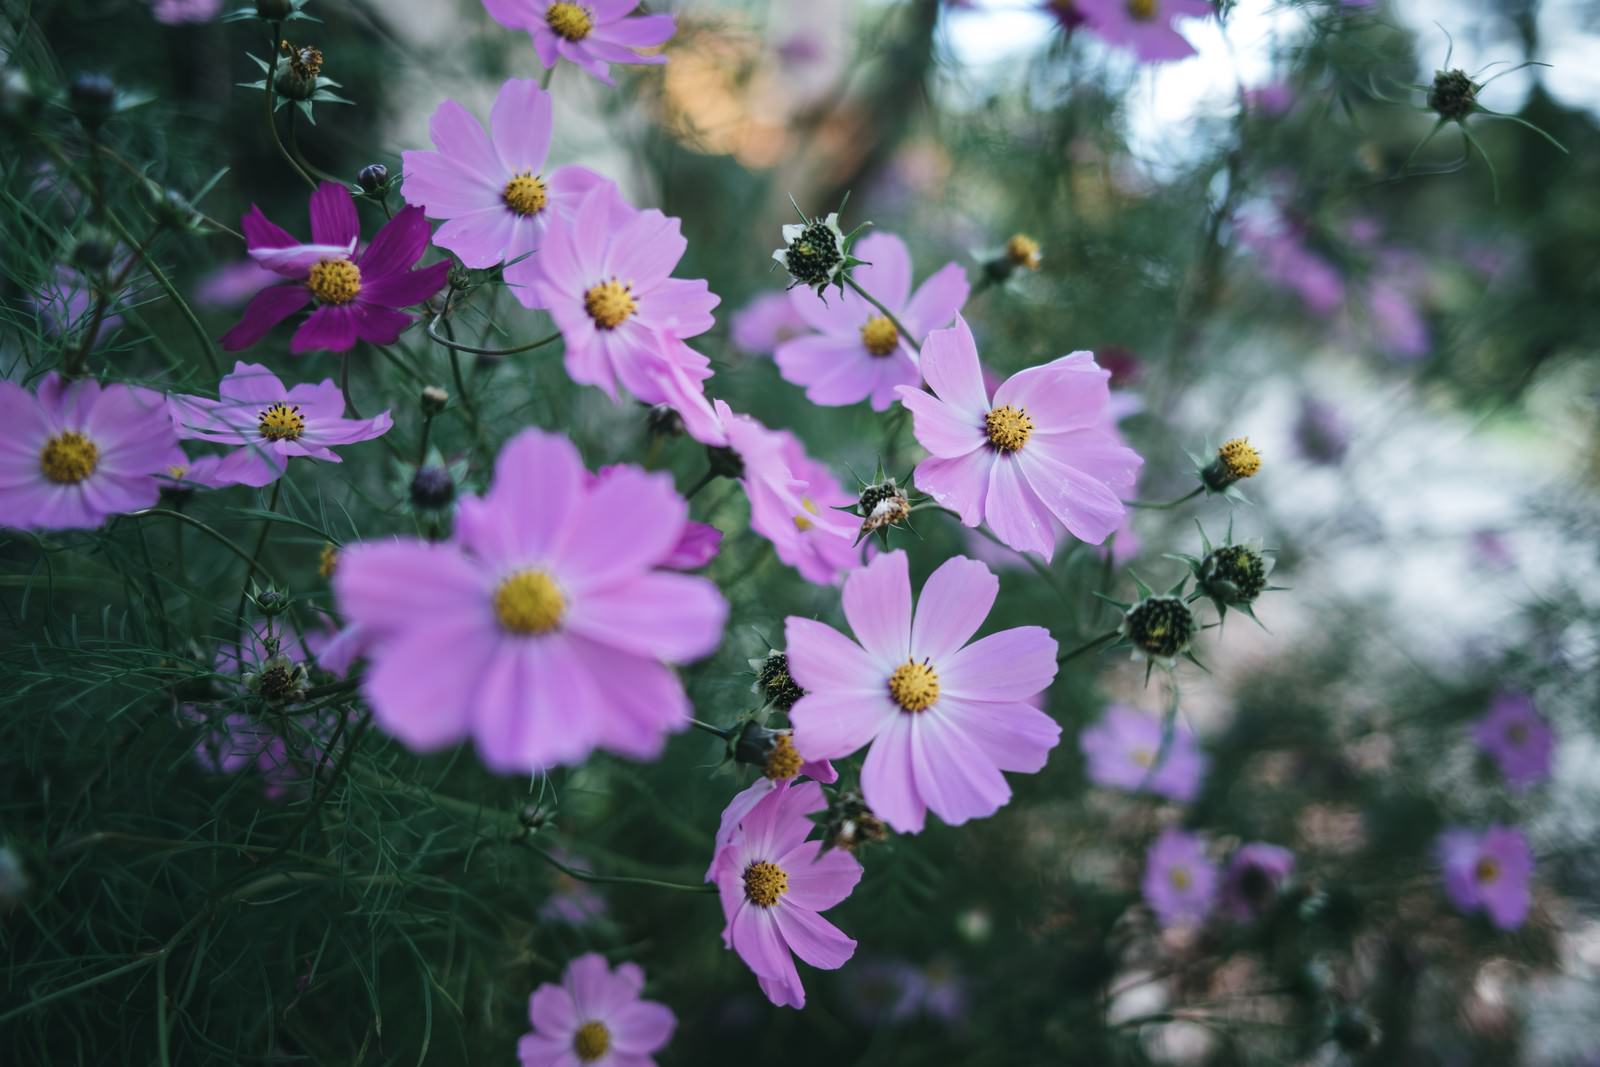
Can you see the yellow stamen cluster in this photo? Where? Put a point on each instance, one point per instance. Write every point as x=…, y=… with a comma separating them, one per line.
x=334, y=281
x=764, y=883
x=571, y=21
x=880, y=335
x=609, y=304
x=1023, y=251
x=1486, y=871
x=1180, y=878
x=328, y=562
x=802, y=523
x=525, y=194
x=1143, y=10
x=68, y=458
x=783, y=762
x=529, y=603
x=591, y=1041
x=1008, y=428
x=1240, y=457
x=914, y=686
x=281, y=422
x=1144, y=757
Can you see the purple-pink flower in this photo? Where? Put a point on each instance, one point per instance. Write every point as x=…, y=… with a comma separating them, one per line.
x=746, y=799
x=1255, y=875
x=765, y=323
x=592, y=34
x=595, y=1017
x=1491, y=872
x=1180, y=881
x=76, y=453
x=773, y=883
x=943, y=717
x=543, y=630
x=271, y=423
x=1144, y=26
x=492, y=187
x=1516, y=736
x=177, y=12
x=1127, y=749
x=857, y=352
x=357, y=296
x=1040, y=457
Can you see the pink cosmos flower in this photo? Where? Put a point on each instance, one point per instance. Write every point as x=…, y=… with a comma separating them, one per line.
x=544, y=629
x=233, y=284
x=696, y=547
x=1254, y=877
x=176, y=12
x=76, y=453
x=1144, y=26
x=357, y=296
x=605, y=277
x=1516, y=736
x=746, y=799
x=773, y=883
x=765, y=323
x=591, y=34
x=595, y=1017
x=1490, y=872
x=1040, y=457
x=492, y=187
x=270, y=423
x=1180, y=881
x=857, y=352
x=943, y=717
x=1122, y=749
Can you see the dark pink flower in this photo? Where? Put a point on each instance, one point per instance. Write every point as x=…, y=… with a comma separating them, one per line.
x=1490, y=872
x=591, y=34
x=595, y=1018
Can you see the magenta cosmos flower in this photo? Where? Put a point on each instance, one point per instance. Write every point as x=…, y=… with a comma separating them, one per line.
x=491, y=187
x=1516, y=736
x=857, y=352
x=1124, y=747
x=1143, y=26
x=773, y=883
x=544, y=629
x=1042, y=456
x=605, y=277
x=76, y=453
x=943, y=717
x=1180, y=882
x=591, y=35
x=1255, y=875
x=595, y=1017
x=1491, y=872
x=271, y=423
x=357, y=297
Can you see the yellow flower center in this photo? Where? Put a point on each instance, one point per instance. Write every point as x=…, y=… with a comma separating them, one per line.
x=1240, y=457
x=525, y=194
x=1180, y=878
x=1023, y=251
x=592, y=1040
x=802, y=523
x=281, y=422
x=328, y=562
x=528, y=602
x=176, y=472
x=1144, y=757
x=1143, y=10
x=764, y=883
x=880, y=336
x=1008, y=428
x=334, y=281
x=571, y=21
x=783, y=762
x=68, y=458
x=914, y=686
x=1486, y=871
x=610, y=303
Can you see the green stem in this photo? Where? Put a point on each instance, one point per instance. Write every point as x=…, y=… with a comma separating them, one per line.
x=261, y=545
x=207, y=346
x=1089, y=647
x=272, y=104
x=905, y=334
x=705, y=479
x=589, y=876
x=454, y=347
x=197, y=524
x=1149, y=506
x=300, y=157
x=708, y=728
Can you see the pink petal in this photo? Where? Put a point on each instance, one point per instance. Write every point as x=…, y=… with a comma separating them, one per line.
x=952, y=605
x=937, y=300
x=642, y=1027
x=818, y=882
x=461, y=140
x=823, y=660
x=645, y=249
x=877, y=603
x=420, y=683
x=961, y=485
x=675, y=617
x=1015, y=513
x=534, y=706
x=641, y=700
x=538, y=482
x=833, y=371
x=953, y=777
x=950, y=364
x=642, y=32
x=588, y=979
x=888, y=276
x=1010, y=665
x=813, y=938
x=520, y=121
x=333, y=215
x=329, y=327
x=552, y=1013
x=444, y=189
x=887, y=782
x=757, y=941
x=389, y=585
x=266, y=309
x=1070, y=393
x=620, y=528
x=834, y=725
x=1086, y=507
x=479, y=237
x=1014, y=737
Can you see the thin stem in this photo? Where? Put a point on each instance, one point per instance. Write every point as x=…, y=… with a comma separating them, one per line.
x=155, y=187
x=422, y=445
x=589, y=876
x=300, y=157
x=1088, y=647
x=197, y=524
x=1151, y=506
x=708, y=728
x=272, y=104
x=207, y=347
x=261, y=545
x=454, y=347
x=904, y=333
x=705, y=479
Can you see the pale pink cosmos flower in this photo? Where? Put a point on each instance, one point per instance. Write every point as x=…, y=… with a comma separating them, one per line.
x=857, y=352
x=1042, y=456
x=595, y=1017
x=1143, y=26
x=944, y=717
x=544, y=629
x=765, y=323
x=605, y=277
x=271, y=422
x=773, y=883
x=591, y=34
x=492, y=188
x=76, y=453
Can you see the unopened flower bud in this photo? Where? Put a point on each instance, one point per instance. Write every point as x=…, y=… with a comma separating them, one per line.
x=373, y=178
x=19, y=104
x=432, y=488
x=434, y=400
x=849, y=823
x=662, y=420
x=1234, y=574
x=274, y=10
x=1454, y=95
x=297, y=75
x=459, y=279
x=1236, y=459
x=1159, y=628
x=93, y=98
x=532, y=816
x=774, y=683
x=272, y=602
x=93, y=251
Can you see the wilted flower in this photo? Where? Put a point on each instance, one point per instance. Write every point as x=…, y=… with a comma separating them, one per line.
x=595, y=1016
x=1255, y=875
x=1516, y=736
x=1180, y=882
x=1489, y=872
x=1128, y=749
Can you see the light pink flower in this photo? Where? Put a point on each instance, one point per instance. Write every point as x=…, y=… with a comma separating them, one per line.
x=590, y=34
x=595, y=1017
x=746, y=799
x=1040, y=457
x=857, y=352
x=765, y=323
x=1144, y=26
x=544, y=629
x=943, y=717
x=773, y=883
x=492, y=187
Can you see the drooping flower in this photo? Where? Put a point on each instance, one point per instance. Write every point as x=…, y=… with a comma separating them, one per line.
x=1180, y=882
x=944, y=717
x=1255, y=875
x=76, y=453
x=1491, y=872
x=773, y=883
x=544, y=629
x=1516, y=736
x=595, y=1017
x=857, y=352
x=1128, y=749
x=591, y=35
x=357, y=296
x=605, y=277
x=765, y=323
x=1143, y=26
x=1038, y=458
x=492, y=187
x=271, y=423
